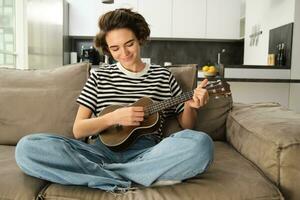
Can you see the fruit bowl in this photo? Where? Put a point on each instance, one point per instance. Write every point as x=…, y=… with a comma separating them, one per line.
x=209, y=74
x=209, y=71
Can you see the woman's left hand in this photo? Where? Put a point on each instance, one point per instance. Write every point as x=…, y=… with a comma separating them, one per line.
x=200, y=97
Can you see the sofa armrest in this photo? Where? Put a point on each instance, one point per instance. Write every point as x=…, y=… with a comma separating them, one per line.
x=268, y=135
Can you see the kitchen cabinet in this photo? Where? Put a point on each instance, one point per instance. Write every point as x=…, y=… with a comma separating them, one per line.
x=84, y=15
x=223, y=19
x=133, y=4
x=257, y=73
x=158, y=15
x=197, y=19
x=189, y=19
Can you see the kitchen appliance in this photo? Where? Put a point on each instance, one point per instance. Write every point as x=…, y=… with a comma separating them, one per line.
x=47, y=23
x=90, y=55
x=108, y=1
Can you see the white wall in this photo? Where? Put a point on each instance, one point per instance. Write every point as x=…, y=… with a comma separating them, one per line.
x=295, y=70
x=268, y=14
x=252, y=92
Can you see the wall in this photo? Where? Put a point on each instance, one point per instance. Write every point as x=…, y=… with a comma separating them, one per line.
x=181, y=52
x=268, y=14
x=295, y=70
x=198, y=52
x=253, y=92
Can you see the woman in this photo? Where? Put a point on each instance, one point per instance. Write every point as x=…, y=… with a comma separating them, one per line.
x=149, y=159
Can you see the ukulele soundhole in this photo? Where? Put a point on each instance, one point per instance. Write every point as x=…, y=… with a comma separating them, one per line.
x=119, y=127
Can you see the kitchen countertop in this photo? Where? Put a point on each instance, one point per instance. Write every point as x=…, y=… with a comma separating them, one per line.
x=253, y=73
x=251, y=80
x=257, y=66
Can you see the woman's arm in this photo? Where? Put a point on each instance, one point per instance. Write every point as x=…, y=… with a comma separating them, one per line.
x=85, y=126
x=188, y=117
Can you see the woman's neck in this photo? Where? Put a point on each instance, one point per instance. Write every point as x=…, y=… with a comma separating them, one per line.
x=136, y=67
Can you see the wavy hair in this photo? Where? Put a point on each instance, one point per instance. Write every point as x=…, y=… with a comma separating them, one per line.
x=121, y=18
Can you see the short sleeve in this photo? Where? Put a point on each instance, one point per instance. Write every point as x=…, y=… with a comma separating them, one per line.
x=88, y=95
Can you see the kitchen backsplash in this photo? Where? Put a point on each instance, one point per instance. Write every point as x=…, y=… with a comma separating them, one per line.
x=182, y=52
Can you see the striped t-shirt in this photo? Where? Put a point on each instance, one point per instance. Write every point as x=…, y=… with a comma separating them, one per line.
x=114, y=85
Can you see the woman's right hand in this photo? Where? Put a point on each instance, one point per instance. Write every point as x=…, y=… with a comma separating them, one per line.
x=128, y=116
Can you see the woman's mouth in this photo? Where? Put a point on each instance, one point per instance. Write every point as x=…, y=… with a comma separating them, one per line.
x=127, y=59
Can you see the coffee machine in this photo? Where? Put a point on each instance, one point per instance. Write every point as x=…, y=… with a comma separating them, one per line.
x=90, y=55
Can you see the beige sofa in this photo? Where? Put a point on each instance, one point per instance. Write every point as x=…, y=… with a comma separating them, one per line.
x=257, y=146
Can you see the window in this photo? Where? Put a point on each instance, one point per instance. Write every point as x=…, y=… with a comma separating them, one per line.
x=7, y=34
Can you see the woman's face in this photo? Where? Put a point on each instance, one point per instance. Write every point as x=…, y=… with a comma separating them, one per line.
x=124, y=46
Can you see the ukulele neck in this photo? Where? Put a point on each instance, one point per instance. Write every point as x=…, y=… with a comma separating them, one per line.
x=162, y=105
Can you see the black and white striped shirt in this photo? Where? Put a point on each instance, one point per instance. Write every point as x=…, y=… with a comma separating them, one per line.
x=114, y=85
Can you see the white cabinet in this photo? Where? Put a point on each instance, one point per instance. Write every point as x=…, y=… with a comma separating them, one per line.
x=223, y=19
x=132, y=4
x=257, y=73
x=199, y=19
x=189, y=19
x=84, y=15
x=158, y=15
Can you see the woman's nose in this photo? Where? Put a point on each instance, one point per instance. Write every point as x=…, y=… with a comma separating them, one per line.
x=124, y=51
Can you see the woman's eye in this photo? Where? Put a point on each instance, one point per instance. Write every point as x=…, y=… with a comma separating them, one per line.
x=114, y=49
x=130, y=44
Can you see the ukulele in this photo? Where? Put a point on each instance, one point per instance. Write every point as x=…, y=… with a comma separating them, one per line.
x=119, y=137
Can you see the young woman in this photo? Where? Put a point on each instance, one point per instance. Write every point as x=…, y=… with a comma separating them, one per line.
x=149, y=159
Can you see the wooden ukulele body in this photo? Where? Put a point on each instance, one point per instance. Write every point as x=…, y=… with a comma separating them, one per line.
x=118, y=137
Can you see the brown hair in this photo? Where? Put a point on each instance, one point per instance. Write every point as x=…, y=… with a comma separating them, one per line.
x=121, y=18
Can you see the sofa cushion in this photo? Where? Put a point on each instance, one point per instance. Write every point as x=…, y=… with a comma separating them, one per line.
x=39, y=101
x=231, y=177
x=212, y=117
x=185, y=75
x=14, y=184
x=269, y=135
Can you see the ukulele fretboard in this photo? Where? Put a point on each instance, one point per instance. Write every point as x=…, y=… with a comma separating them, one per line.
x=162, y=105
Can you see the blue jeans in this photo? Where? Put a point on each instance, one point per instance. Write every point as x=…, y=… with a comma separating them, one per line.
x=72, y=162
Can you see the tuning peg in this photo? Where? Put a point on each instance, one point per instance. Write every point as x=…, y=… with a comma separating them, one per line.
x=217, y=97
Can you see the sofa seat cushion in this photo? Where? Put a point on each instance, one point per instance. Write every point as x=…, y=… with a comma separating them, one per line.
x=44, y=100
x=231, y=177
x=269, y=135
x=14, y=184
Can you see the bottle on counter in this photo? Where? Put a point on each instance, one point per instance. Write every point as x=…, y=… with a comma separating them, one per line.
x=81, y=53
x=278, y=54
x=282, y=55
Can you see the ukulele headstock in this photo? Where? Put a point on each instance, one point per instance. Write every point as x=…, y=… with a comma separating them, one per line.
x=218, y=88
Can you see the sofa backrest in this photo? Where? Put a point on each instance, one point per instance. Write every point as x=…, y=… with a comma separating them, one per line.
x=212, y=117
x=33, y=101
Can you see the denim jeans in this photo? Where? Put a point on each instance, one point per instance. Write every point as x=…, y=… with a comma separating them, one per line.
x=72, y=162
